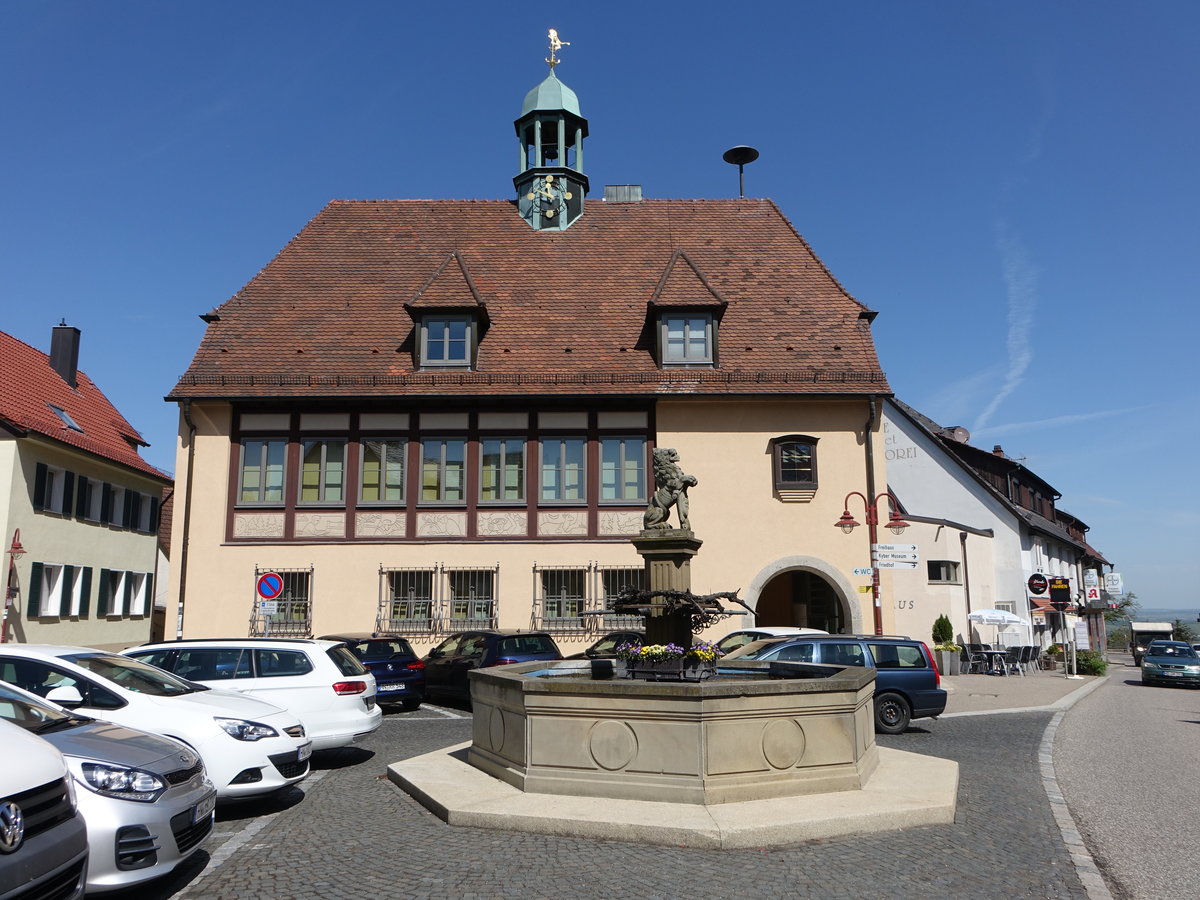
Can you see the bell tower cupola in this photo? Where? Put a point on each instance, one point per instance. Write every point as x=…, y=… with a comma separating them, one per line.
x=550, y=183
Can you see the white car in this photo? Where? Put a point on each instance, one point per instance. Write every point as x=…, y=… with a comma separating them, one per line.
x=249, y=746
x=742, y=637
x=322, y=682
x=43, y=837
x=145, y=799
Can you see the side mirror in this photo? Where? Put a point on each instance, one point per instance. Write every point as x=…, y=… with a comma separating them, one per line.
x=435, y=654
x=67, y=696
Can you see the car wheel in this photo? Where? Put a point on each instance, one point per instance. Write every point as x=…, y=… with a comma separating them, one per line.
x=410, y=705
x=892, y=713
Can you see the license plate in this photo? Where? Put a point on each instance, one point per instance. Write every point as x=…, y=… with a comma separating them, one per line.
x=204, y=808
x=392, y=687
x=304, y=751
x=1173, y=674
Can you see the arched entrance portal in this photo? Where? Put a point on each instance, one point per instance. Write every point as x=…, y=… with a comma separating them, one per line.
x=804, y=592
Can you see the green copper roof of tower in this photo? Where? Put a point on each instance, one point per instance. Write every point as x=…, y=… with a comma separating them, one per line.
x=551, y=94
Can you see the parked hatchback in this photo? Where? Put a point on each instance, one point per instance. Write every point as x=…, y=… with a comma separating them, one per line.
x=319, y=681
x=447, y=664
x=907, y=682
x=606, y=647
x=146, y=801
x=249, y=747
x=399, y=672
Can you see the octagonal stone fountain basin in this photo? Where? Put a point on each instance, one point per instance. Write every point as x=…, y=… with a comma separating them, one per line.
x=740, y=736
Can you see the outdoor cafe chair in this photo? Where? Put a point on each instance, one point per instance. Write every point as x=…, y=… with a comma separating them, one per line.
x=973, y=661
x=1013, y=660
x=1028, y=653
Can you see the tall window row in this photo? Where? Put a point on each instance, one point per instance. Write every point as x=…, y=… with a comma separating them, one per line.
x=445, y=470
x=65, y=493
x=64, y=591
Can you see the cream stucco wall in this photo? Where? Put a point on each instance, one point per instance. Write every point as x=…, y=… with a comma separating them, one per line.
x=64, y=540
x=749, y=535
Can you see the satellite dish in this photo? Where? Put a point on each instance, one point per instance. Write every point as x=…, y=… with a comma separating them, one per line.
x=739, y=156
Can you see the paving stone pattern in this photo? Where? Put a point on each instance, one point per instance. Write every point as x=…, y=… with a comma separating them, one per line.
x=352, y=834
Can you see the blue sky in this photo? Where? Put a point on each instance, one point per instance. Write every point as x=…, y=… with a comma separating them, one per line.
x=1012, y=185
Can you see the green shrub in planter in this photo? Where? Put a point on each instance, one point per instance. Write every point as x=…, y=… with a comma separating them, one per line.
x=943, y=631
x=1089, y=662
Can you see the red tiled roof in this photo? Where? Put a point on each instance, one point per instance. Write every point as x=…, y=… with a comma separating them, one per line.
x=28, y=385
x=568, y=310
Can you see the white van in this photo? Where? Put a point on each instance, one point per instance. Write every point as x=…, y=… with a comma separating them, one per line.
x=43, y=839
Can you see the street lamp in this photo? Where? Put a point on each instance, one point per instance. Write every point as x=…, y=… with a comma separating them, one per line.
x=12, y=589
x=895, y=522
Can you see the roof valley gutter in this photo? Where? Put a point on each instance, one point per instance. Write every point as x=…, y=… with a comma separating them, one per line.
x=186, y=408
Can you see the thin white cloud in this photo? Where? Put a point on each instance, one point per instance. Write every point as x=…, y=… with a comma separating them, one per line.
x=1057, y=421
x=1020, y=278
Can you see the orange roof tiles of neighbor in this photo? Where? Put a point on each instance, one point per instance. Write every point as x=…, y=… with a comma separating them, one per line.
x=29, y=385
x=565, y=313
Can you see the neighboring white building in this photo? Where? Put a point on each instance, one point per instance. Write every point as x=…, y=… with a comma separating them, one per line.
x=983, y=524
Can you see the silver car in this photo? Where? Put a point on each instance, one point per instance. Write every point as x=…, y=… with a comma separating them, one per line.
x=146, y=801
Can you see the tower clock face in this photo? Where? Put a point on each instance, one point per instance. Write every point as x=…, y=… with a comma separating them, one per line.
x=546, y=201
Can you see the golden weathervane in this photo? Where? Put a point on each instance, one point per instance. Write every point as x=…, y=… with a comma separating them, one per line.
x=555, y=46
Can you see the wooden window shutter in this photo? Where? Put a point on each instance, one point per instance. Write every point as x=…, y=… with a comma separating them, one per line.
x=126, y=596
x=148, y=606
x=64, y=595
x=127, y=509
x=68, y=492
x=81, y=509
x=39, y=486
x=104, y=592
x=35, y=591
x=106, y=503
x=153, y=515
x=85, y=592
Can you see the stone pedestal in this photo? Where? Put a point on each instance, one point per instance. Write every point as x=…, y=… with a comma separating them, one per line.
x=668, y=554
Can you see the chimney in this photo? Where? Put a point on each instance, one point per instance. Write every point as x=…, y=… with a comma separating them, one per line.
x=64, y=351
x=997, y=450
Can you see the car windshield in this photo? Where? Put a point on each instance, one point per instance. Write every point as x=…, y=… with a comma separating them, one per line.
x=1177, y=650
x=526, y=644
x=33, y=714
x=383, y=648
x=752, y=650
x=133, y=675
x=610, y=643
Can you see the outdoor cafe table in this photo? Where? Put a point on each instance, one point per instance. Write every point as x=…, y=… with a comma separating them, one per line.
x=996, y=660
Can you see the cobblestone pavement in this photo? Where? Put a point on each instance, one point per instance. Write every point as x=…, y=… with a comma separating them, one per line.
x=351, y=833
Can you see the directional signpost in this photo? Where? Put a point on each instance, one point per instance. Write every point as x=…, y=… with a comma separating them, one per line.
x=895, y=556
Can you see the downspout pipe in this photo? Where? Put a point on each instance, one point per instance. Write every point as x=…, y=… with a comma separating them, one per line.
x=186, y=409
x=872, y=527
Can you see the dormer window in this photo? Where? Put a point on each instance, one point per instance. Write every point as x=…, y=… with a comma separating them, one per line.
x=447, y=341
x=687, y=339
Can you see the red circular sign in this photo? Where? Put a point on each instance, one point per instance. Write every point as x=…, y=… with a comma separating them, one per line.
x=270, y=585
x=1038, y=583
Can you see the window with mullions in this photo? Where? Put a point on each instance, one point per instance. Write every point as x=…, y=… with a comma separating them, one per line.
x=563, y=593
x=382, y=471
x=472, y=597
x=323, y=472
x=623, y=469
x=262, y=471
x=563, y=469
x=943, y=571
x=686, y=340
x=502, y=469
x=446, y=341
x=443, y=470
x=612, y=581
x=795, y=463
x=410, y=598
